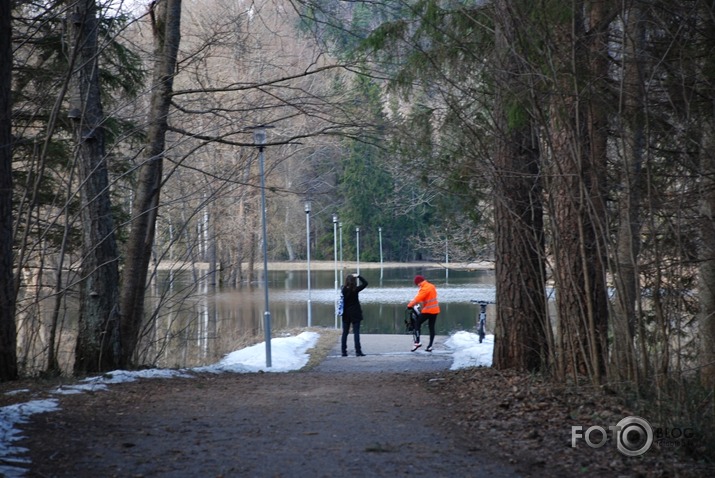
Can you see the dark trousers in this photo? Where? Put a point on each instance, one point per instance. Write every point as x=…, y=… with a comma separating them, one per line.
x=431, y=319
x=356, y=333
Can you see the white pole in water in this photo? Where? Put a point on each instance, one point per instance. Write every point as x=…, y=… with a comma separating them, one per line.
x=446, y=257
x=357, y=233
x=379, y=230
x=342, y=264
x=335, y=266
x=307, y=249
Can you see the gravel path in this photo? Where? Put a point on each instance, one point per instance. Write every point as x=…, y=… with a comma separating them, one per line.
x=352, y=416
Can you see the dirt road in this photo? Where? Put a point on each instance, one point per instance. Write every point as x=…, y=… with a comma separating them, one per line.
x=389, y=414
x=348, y=416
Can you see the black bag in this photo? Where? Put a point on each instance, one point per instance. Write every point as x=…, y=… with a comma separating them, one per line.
x=411, y=316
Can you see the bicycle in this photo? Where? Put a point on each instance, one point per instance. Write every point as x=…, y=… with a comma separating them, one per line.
x=482, y=322
x=411, y=317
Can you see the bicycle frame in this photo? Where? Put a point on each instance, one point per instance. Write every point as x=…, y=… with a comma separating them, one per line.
x=413, y=317
x=482, y=320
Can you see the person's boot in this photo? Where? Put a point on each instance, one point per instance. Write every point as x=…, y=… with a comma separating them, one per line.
x=359, y=353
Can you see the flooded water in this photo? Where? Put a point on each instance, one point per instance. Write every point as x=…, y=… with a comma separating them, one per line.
x=199, y=328
x=192, y=324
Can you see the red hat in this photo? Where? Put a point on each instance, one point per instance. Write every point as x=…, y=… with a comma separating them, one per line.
x=418, y=279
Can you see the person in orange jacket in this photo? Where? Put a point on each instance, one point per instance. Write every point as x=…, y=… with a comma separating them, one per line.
x=427, y=297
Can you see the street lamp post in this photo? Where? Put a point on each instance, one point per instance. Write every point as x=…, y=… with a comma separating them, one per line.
x=357, y=233
x=335, y=264
x=307, y=249
x=259, y=138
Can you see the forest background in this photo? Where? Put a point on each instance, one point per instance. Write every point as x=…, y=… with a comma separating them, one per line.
x=569, y=142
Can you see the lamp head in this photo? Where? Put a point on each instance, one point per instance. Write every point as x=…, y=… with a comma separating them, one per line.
x=259, y=136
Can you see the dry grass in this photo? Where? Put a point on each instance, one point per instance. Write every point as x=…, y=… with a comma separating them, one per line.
x=327, y=340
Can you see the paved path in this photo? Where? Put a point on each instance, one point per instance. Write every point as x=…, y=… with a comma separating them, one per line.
x=388, y=353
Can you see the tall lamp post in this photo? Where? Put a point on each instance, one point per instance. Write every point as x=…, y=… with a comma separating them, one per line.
x=259, y=138
x=357, y=234
x=335, y=264
x=307, y=248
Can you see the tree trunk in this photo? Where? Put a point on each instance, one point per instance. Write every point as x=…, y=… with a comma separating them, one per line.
x=707, y=257
x=629, y=225
x=522, y=323
x=97, y=346
x=167, y=35
x=8, y=334
x=707, y=213
x=576, y=189
x=597, y=42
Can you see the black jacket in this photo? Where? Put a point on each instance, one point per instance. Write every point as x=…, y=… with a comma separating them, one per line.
x=351, y=302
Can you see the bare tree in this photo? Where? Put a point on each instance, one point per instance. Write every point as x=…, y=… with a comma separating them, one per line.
x=632, y=148
x=242, y=67
x=707, y=266
x=575, y=187
x=166, y=24
x=98, y=329
x=707, y=205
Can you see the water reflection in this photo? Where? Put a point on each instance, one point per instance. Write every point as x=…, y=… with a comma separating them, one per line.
x=199, y=328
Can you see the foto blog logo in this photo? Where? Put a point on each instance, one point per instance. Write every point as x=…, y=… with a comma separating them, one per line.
x=633, y=435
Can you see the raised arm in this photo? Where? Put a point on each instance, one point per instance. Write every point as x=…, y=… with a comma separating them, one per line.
x=363, y=283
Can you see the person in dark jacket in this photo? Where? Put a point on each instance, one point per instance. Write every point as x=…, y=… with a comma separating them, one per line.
x=352, y=312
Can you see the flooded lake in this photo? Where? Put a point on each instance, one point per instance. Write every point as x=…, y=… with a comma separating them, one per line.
x=200, y=328
x=192, y=324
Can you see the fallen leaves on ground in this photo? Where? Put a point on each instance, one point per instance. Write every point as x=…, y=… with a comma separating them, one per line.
x=527, y=421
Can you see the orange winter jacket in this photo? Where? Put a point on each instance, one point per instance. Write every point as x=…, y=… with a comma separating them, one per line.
x=427, y=295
